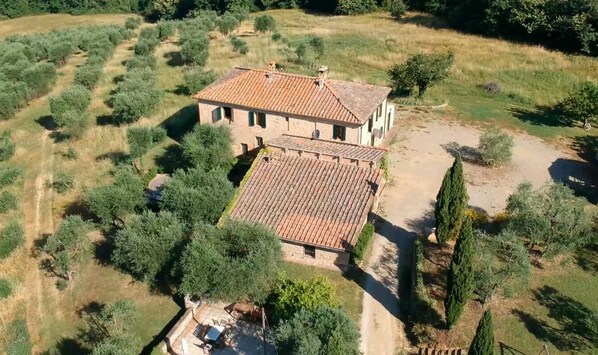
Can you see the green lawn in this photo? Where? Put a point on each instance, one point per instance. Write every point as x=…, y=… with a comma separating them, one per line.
x=348, y=291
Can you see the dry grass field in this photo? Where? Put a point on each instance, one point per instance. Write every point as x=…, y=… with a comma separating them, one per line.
x=357, y=48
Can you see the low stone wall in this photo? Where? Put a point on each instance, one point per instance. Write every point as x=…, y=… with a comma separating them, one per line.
x=178, y=329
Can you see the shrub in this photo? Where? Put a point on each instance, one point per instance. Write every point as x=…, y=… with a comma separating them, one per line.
x=145, y=47
x=141, y=62
x=158, y=134
x=9, y=175
x=13, y=96
x=493, y=87
x=132, y=23
x=60, y=50
x=7, y=146
x=18, y=341
x=276, y=36
x=363, y=243
x=496, y=147
x=151, y=33
x=397, y=9
x=195, y=51
x=239, y=45
x=70, y=154
x=355, y=7
x=227, y=23
x=140, y=140
x=317, y=44
x=195, y=79
x=63, y=182
x=5, y=289
x=100, y=50
x=11, y=238
x=165, y=29
x=8, y=201
x=290, y=296
x=264, y=23
x=479, y=218
x=137, y=95
x=40, y=78
x=68, y=106
x=88, y=75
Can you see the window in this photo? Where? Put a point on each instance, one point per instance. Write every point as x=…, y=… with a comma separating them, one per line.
x=261, y=119
x=228, y=113
x=216, y=114
x=244, y=148
x=379, y=112
x=251, y=116
x=288, y=124
x=370, y=124
x=310, y=251
x=339, y=132
x=259, y=141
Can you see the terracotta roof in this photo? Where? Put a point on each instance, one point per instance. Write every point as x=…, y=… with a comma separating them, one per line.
x=343, y=150
x=298, y=95
x=308, y=201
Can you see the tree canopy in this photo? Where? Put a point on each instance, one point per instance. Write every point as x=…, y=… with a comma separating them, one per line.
x=67, y=246
x=582, y=104
x=323, y=331
x=209, y=147
x=238, y=260
x=149, y=244
x=451, y=203
x=421, y=70
x=483, y=341
x=551, y=219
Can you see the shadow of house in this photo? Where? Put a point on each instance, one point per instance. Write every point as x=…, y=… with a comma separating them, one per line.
x=573, y=324
x=181, y=122
x=541, y=116
x=468, y=154
x=581, y=177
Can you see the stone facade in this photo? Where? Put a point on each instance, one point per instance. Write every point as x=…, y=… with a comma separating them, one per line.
x=324, y=258
x=248, y=131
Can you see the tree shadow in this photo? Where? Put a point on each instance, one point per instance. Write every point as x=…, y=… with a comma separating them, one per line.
x=425, y=20
x=171, y=160
x=423, y=225
x=468, y=154
x=174, y=59
x=48, y=123
x=540, y=115
x=586, y=147
x=68, y=346
x=106, y=120
x=181, y=122
x=509, y=350
x=78, y=207
x=580, y=176
x=587, y=258
x=575, y=328
x=161, y=335
x=117, y=157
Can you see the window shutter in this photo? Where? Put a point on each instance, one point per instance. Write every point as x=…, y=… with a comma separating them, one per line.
x=219, y=113
x=334, y=132
x=264, y=121
x=251, y=118
x=344, y=133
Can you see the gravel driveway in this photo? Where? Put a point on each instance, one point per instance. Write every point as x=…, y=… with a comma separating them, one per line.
x=419, y=158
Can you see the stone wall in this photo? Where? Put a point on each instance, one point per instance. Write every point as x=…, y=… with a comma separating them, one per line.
x=324, y=258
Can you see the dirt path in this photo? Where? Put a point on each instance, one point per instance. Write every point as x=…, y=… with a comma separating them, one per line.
x=418, y=160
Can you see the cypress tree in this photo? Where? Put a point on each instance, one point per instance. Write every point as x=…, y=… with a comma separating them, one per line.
x=458, y=199
x=441, y=211
x=460, y=283
x=483, y=341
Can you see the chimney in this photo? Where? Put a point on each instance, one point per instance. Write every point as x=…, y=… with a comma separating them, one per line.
x=322, y=76
x=271, y=68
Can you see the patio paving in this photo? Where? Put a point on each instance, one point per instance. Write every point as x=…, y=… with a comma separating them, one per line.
x=246, y=339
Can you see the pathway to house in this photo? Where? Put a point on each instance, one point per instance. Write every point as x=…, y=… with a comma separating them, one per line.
x=418, y=160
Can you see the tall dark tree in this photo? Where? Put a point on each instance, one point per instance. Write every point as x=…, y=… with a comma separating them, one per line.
x=460, y=283
x=459, y=199
x=483, y=341
x=451, y=203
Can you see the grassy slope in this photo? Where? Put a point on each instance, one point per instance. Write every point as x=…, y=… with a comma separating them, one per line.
x=547, y=311
x=536, y=75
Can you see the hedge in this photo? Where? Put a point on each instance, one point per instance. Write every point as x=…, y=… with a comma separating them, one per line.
x=363, y=243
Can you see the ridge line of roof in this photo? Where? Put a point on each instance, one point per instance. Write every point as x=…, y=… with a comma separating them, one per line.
x=340, y=101
x=330, y=141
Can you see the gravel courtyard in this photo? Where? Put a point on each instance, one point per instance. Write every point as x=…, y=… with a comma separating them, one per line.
x=419, y=158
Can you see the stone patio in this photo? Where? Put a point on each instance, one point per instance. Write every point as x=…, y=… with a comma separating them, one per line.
x=246, y=339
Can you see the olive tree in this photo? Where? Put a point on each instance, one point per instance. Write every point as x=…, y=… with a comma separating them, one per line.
x=67, y=246
x=264, y=23
x=551, y=219
x=149, y=244
x=227, y=23
x=209, y=147
x=235, y=261
x=422, y=70
x=582, y=104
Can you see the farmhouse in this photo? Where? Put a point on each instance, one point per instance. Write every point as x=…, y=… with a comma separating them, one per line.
x=315, y=194
x=260, y=105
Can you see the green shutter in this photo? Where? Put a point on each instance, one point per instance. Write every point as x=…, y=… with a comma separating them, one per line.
x=344, y=133
x=219, y=113
x=334, y=134
x=251, y=118
x=264, y=121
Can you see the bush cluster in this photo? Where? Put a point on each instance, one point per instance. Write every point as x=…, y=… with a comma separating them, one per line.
x=11, y=238
x=239, y=45
x=132, y=23
x=69, y=109
x=363, y=243
x=136, y=95
x=141, y=139
x=496, y=147
x=166, y=29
